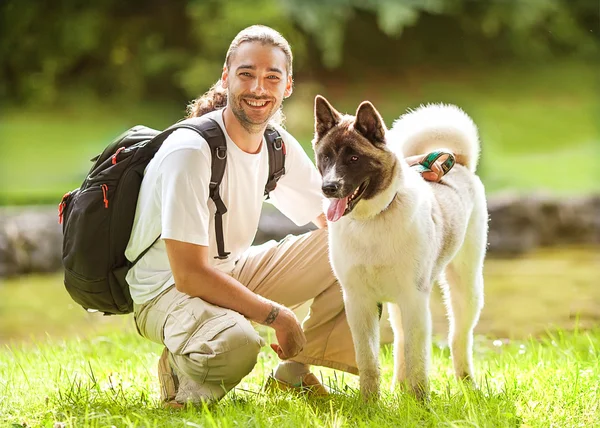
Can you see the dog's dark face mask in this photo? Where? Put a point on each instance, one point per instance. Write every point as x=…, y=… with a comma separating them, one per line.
x=351, y=155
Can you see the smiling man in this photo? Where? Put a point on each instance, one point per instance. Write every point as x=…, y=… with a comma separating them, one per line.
x=200, y=306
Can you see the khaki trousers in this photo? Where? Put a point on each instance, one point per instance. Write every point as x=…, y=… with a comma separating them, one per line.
x=213, y=348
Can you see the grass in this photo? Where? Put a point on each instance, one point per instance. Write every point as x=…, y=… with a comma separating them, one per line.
x=538, y=126
x=110, y=381
x=536, y=354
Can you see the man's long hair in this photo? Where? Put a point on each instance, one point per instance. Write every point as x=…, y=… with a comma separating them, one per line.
x=216, y=97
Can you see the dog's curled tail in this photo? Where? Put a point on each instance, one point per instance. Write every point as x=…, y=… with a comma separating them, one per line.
x=437, y=126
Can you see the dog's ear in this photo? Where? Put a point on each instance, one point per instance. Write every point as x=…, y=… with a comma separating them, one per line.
x=326, y=117
x=369, y=123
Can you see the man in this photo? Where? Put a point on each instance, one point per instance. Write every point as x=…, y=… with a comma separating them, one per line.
x=200, y=307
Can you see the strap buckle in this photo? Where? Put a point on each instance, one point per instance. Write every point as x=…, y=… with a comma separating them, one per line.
x=221, y=152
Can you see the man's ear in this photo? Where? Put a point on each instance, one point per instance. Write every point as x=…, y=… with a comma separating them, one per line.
x=224, y=76
x=326, y=117
x=289, y=87
x=369, y=123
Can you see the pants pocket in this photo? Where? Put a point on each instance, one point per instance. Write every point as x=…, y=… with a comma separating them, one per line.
x=184, y=334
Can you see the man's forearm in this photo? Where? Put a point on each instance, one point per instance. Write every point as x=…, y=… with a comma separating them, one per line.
x=220, y=289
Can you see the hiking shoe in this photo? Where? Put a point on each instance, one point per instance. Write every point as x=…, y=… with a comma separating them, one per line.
x=309, y=385
x=169, y=383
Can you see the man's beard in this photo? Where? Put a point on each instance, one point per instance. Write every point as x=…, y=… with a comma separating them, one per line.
x=247, y=123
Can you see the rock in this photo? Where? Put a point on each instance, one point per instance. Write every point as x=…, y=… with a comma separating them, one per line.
x=519, y=223
x=274, y=225
x=30, y=241
x=512, y=227
x=31, y=238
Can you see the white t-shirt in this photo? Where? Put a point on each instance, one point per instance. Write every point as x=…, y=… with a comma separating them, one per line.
x=174, y=203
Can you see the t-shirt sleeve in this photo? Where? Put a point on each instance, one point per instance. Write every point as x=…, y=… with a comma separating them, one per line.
x=298, y=193
x=184, y=186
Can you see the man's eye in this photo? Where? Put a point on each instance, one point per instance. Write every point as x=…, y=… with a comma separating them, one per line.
x=354, y=158
x=245, y=74
x=273, y=77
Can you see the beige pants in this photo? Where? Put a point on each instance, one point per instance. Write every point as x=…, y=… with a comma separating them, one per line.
x=213, y=348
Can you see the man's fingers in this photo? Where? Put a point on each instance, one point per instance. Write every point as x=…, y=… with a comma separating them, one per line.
x=278, y=351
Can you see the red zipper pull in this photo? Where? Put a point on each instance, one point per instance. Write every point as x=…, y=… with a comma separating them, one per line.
x=105, y=195
x=114, y=157
x=61, y=207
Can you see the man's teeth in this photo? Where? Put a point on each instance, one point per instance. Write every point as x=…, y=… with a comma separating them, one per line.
x=256, y=103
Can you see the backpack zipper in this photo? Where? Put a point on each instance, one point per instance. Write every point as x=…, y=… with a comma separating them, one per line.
x=114, y=157
x=61, y=207
x=105, y=195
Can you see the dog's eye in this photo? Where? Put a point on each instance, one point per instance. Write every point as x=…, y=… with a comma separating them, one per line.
x=354, y=158
x=325, y=158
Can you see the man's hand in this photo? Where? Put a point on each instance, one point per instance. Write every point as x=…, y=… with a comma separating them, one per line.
x=289, y=334
x=436, y=170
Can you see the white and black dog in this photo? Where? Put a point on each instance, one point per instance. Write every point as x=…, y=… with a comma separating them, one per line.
x=393, y=235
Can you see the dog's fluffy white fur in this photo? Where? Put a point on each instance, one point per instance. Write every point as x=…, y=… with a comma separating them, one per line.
x=394, y=247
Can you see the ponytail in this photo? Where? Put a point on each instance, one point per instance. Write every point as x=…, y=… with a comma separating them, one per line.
x=214, y=99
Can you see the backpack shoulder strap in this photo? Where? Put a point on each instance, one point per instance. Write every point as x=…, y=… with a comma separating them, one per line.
x=212, y=133
x=276, y=148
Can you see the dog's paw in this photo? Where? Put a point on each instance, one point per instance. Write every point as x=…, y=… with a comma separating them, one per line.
x=369, y=386
x=468, y=380
x=420, y=391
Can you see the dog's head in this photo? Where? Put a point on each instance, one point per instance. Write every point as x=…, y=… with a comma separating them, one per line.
x=351, y=155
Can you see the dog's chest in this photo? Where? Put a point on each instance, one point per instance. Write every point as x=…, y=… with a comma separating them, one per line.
x=379, y=252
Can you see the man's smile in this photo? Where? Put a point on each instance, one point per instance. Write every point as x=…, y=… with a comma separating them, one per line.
x=256, y=103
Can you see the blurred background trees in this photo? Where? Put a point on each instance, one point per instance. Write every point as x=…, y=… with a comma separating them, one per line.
x=74, y=74
x=156, y=50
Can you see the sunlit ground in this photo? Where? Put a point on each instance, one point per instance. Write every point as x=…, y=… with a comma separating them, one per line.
x=544, y=290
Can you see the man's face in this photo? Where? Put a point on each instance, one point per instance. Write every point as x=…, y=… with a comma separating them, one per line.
x=256, y=82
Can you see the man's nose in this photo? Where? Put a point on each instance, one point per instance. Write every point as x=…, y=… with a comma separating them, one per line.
x=330, y=188
x=259, y=87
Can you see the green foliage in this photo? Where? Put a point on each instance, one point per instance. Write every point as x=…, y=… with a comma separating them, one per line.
x=327, y=22
x=107, y=48
x=532, y=29
x=214, y=24
x=139, y=49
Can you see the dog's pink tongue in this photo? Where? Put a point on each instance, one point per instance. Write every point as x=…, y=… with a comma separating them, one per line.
x=336, y=209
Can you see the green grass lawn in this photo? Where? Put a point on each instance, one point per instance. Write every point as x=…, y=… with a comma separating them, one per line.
x=539, y=126
x=110, y=381
x=537, y=356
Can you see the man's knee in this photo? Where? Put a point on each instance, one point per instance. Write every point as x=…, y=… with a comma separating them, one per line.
x=240, y=358
x=223, y=353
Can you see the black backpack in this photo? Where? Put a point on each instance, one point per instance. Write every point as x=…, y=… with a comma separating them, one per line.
x=98, y=217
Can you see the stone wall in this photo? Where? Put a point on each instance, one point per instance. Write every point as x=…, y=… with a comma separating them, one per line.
x=31, y=239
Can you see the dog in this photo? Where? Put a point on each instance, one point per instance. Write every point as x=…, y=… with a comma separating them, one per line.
x=393, y=235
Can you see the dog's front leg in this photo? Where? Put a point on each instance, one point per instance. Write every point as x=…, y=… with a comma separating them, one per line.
x=363, y=318
x=416, y=320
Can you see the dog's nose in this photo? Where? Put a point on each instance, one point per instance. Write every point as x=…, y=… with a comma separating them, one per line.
x=330, y=188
